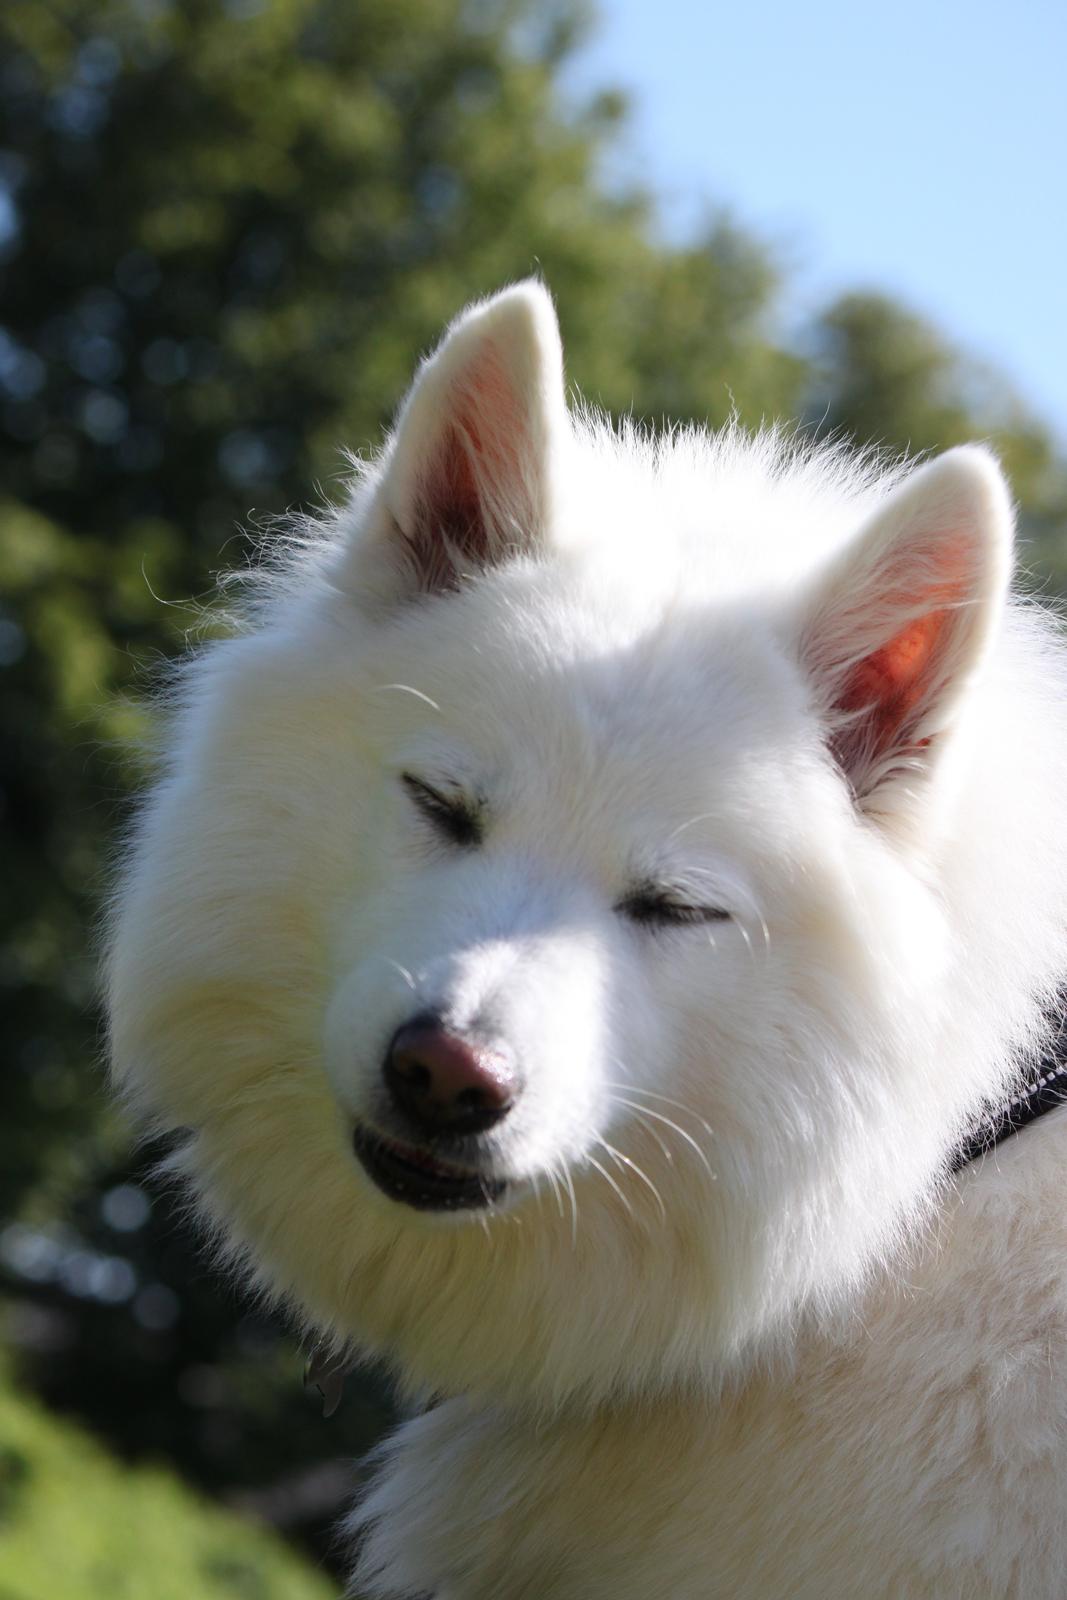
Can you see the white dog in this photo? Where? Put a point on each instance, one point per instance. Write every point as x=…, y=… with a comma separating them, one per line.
x=588, y=910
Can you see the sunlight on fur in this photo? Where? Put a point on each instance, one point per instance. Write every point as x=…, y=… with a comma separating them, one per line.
x=585, y=905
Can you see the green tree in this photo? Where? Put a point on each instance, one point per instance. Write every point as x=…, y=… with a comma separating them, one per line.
x=880, y=374
x=227, y=230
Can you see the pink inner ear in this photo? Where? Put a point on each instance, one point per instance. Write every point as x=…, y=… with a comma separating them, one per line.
x=453, y=503
x=476, y=470
x=890, y=686
x=886, y=694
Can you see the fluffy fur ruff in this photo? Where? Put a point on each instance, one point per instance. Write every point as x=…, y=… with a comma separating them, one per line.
x=765, y=896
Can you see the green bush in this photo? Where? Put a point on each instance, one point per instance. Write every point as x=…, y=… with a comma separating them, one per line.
x=77, y=1525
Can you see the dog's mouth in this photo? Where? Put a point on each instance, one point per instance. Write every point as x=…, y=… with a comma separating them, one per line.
x=416, y=1178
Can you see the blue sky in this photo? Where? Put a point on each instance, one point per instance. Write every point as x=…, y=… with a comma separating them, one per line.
x=919, y=147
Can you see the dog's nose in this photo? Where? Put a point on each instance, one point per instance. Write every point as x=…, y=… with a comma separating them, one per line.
x=444, y=1083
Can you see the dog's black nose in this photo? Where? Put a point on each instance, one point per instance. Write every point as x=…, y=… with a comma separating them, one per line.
x=445, y=1084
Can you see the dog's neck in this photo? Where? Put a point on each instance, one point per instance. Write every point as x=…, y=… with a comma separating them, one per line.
x=1043, y=1088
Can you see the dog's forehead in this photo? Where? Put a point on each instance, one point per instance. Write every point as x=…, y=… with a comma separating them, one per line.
x=542, y=670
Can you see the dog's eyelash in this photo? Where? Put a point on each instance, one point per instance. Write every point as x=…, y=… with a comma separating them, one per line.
x=454, y=817
x=660, y=909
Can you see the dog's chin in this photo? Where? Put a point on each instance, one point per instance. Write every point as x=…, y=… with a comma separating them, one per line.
x=422, y=1179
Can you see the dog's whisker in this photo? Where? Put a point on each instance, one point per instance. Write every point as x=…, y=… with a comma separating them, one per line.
x=610, y=1181
x=659, y=1117
x=406, y=688
x=743, y=931
x=403, y=971
x=625, y=1161
x=554, y=1183
x=668, y=1153
x=568, y=1181
x=705, y=816
x=667, y=1100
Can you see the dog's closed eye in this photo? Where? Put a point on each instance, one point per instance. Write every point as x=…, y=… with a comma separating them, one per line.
x=456, y=817
x=656, y=907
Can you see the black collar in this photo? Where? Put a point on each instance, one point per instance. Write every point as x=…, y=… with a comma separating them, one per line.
x=1043, y=1089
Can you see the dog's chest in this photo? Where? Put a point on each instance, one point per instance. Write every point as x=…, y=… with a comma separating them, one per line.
x=925, y=1461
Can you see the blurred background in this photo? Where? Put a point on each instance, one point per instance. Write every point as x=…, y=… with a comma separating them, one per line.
x=227, y=230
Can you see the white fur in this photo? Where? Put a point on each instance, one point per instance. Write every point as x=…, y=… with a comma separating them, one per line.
x=732, y=1331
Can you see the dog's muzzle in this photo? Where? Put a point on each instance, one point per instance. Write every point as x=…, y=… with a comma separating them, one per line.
x=420, y=1179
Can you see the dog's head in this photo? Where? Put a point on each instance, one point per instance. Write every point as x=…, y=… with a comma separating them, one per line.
x=538, y=933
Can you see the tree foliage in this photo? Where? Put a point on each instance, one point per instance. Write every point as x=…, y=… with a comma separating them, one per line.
x=227, y=230
x=882, y=374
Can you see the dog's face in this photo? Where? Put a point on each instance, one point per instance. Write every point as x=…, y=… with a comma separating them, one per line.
x=533, y=931
x=560, y=916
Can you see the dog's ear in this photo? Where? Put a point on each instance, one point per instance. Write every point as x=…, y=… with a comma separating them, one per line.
x=468, y=475
x=903, y=620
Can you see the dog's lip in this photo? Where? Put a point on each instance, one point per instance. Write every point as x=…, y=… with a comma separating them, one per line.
x=416, y=1177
